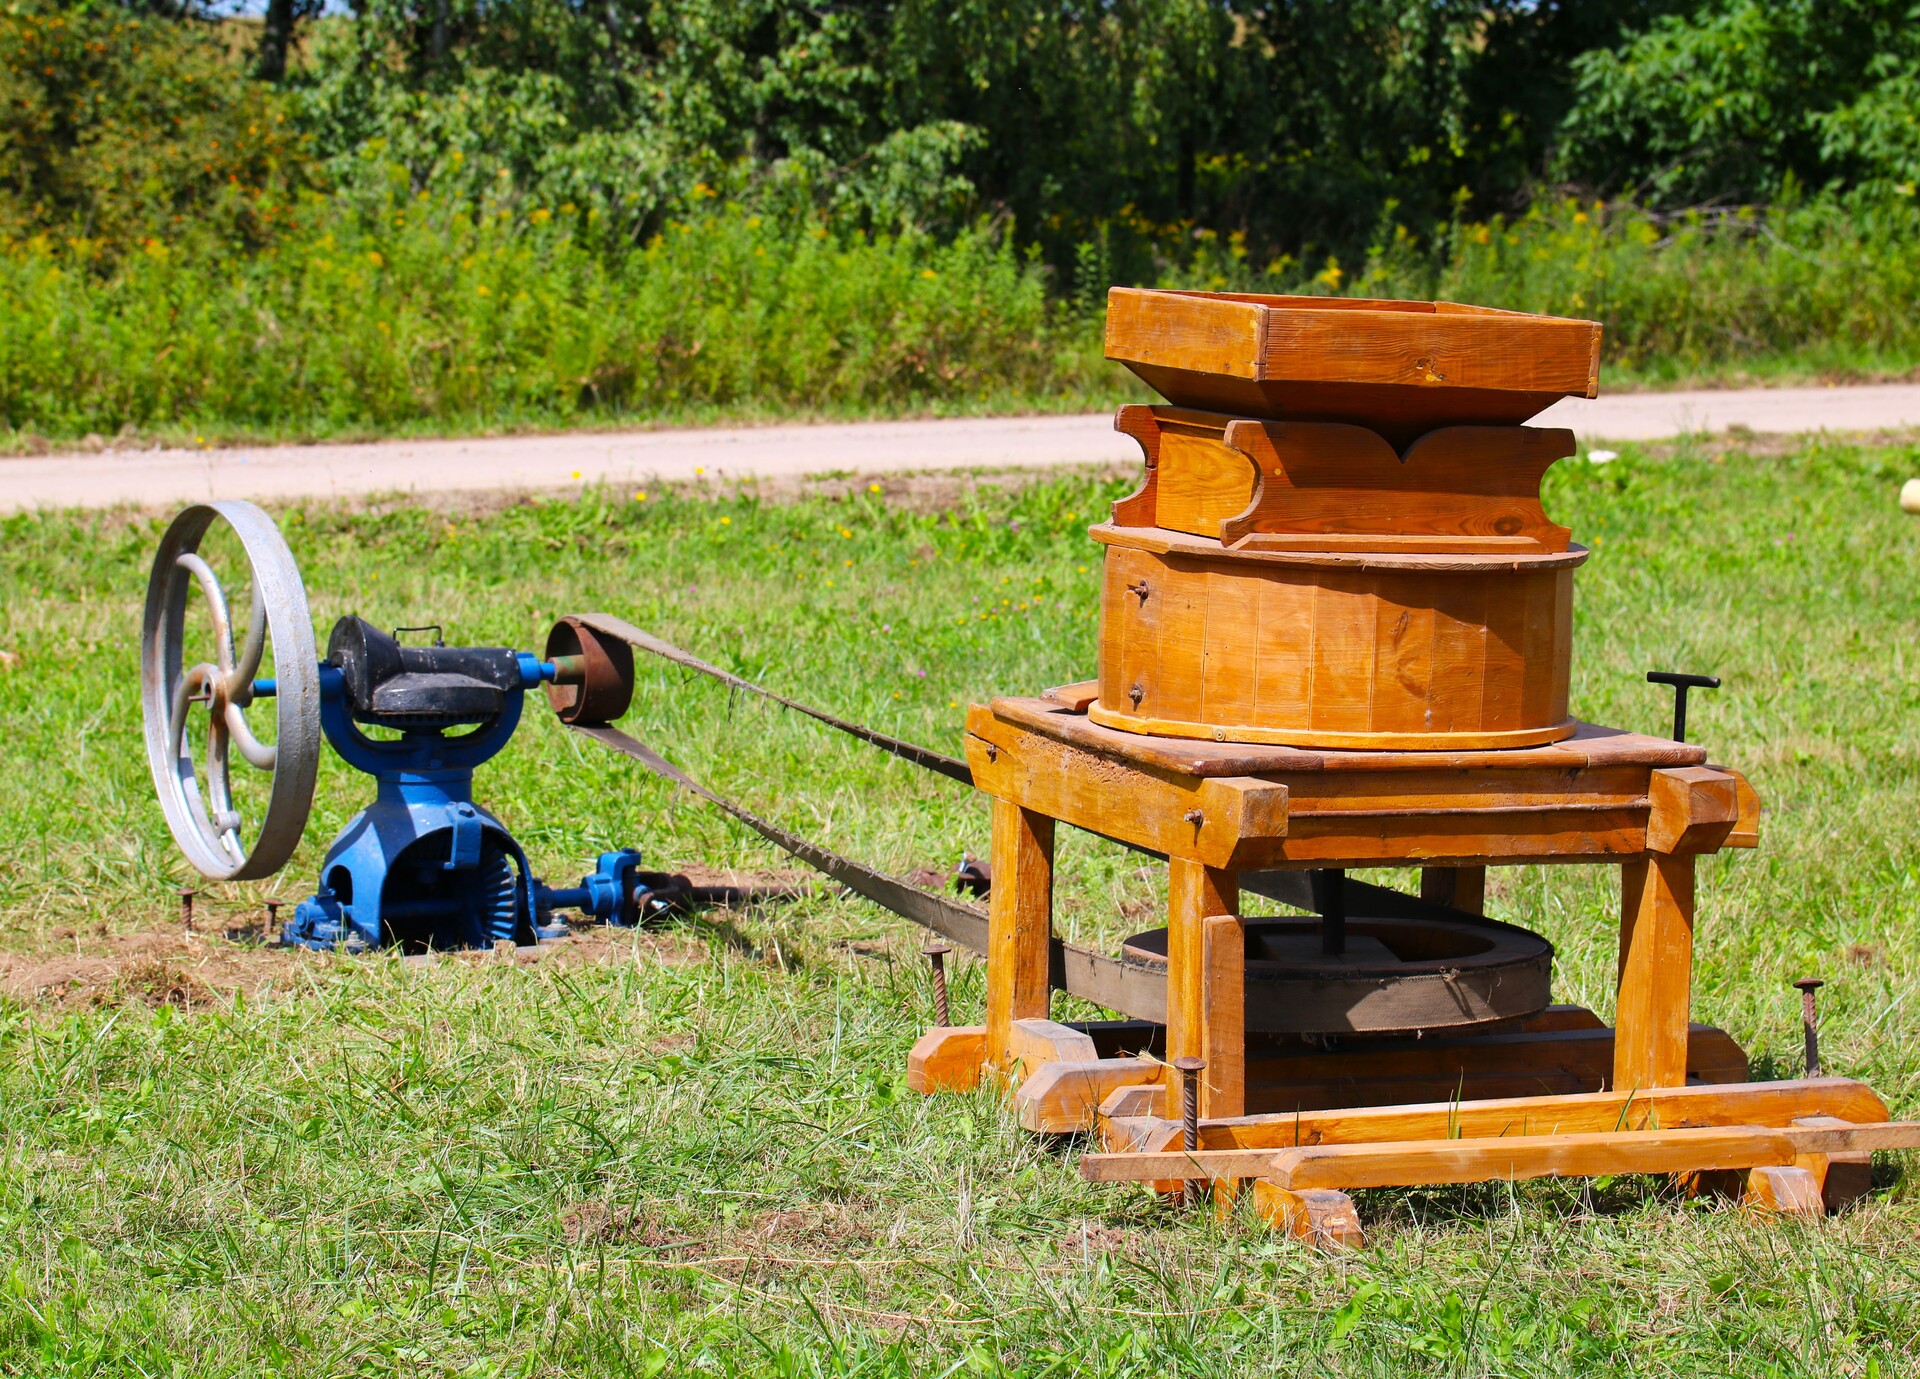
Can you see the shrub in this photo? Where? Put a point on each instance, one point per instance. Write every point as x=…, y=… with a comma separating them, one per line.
x=428, y=312
x=115, y=129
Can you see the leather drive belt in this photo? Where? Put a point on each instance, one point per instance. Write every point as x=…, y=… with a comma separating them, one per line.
x=1133, y=990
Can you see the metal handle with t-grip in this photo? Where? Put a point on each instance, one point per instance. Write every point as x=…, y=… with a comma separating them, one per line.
x=1681, y=684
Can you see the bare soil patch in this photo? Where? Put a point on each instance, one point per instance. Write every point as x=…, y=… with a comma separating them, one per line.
x=190, y=970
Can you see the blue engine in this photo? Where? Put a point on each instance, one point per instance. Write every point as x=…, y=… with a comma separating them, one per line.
x=424, y=867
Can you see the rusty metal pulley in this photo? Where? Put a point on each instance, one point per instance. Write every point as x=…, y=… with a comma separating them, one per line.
x=594, y=673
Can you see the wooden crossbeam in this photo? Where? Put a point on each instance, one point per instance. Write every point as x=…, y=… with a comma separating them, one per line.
x=1414, y=1162
x=1444, y=1134
x=1725, y=1103
x=1410, y=1163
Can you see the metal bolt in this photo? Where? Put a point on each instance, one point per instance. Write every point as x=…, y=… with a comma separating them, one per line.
x=1189, y=1069
x=1810, y=1019
x=273, y=921
x=937, y=955
x=1194, y=817
x=186, y=909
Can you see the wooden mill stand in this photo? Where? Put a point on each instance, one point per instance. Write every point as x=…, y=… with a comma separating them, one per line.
x=1336, y=635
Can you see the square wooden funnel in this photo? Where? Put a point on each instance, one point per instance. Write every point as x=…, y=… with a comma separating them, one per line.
x=1398, y=368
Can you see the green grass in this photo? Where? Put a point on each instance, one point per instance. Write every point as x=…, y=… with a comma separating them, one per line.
x=696, y=1153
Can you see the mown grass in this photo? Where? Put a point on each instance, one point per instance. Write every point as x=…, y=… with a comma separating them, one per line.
x=697, y=1154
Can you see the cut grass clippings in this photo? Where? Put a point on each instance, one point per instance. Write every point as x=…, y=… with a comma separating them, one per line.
x=695, y=1151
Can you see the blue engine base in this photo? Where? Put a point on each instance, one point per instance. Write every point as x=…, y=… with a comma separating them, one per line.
x=424, y=867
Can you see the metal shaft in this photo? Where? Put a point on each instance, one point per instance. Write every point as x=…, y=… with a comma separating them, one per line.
x=937, y=955
x=1810, y=1021
x=186, y=910
x=1189, y=1070
x=273, y=921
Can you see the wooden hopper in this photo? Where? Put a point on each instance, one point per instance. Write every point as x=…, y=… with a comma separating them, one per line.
x=1398, y=368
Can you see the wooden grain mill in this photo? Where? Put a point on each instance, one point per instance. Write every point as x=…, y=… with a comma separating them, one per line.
x=1336, y=632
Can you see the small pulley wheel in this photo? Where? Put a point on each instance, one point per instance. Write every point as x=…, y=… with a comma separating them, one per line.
x=197, y=796
x=595, y=680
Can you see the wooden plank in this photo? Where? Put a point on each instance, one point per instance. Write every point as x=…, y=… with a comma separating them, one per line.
x=1230, y=682
x=1589, y=748
x=1143, y=1135
x=1746, y=831
x=1223, y=1014
x=1505, y=839
x=1521, y=354
x=1410, y=1163
x=1138, y=507
x=1855, y=1139
x=1244, y=819
x=1845, y=1177
x=1388, y=544
x=1784, y=1190
x=1075, y=697
x=1395, y=1163
x=1207, y=336
x=1019, y=924
x=1656, y=972
x=1031, y=1043
x=1135, y=1100
x=1411, y=345
x=1063, y=1098
x=1242, y=1146
x=1203, y=481
x=1239, y=820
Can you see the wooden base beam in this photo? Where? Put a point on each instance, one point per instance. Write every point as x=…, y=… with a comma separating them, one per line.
x=1244, y=1147
x=1564, y=1058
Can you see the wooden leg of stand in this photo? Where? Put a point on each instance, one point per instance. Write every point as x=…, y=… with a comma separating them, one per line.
x=1019, y=924
x=1206, y=982
x=1656, y=972
x=1464, y=888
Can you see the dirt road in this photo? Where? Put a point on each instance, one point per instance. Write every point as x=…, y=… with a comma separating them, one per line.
x=165, y=478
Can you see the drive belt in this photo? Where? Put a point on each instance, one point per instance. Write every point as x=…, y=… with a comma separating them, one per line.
x=1130, y=988
x=1105, y=981
x=951, y=767
x=1295, y=888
